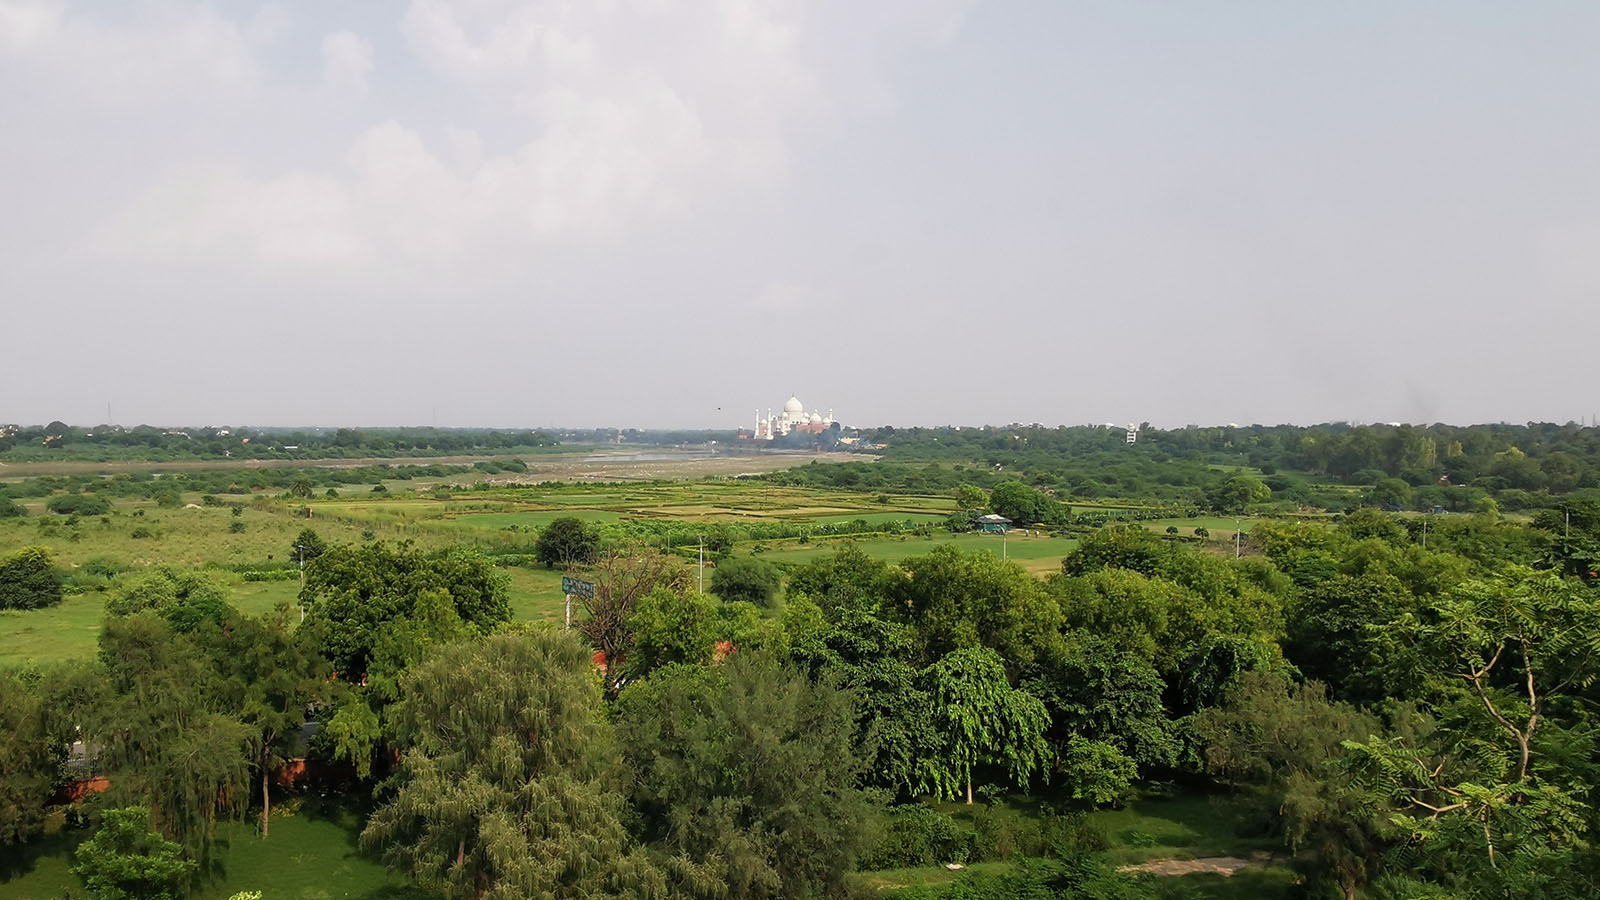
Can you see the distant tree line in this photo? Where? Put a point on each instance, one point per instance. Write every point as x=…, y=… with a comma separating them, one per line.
x=106, y=442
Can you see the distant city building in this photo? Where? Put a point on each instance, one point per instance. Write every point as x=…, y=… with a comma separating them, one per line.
x=793, y=418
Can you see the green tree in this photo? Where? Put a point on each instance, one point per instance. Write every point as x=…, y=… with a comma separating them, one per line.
x=353, y=591
x=307, y=546
x=669, y=627
x=1342, y=632
x=981, y=720
x=11, y=509
x=505, y=791
x=567, y=541
x=31, y=757
x=270, y=681
x=970, y=497
x=849, y=579
x=868, y=654
x=1236, y=493
x=1390, y=492
x=1279, y=741
x=127, y=860
x=153, y=709
x=747, y=579
x=1018, y=502
x=28, y=580
x=1094, y=692
x=955, y=600
x=1492, y=793
x=747, y=775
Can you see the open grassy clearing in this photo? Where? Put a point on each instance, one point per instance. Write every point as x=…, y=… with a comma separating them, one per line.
x=1181, y=827
x=312, y=854
x=1037, y=553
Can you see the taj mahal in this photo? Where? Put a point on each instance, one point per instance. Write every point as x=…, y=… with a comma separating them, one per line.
x=793, y=418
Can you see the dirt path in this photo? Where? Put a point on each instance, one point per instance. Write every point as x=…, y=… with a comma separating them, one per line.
x=1220, y=865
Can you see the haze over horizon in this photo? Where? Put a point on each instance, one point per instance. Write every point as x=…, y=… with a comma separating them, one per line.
x=638, y=214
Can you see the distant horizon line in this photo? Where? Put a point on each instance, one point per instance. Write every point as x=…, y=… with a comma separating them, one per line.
x=1352, y=423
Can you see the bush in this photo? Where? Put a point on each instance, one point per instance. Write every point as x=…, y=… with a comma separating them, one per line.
x=11, y=509
x=28, y=580
x=79, y=504
x=236, y=527
x=915, y=834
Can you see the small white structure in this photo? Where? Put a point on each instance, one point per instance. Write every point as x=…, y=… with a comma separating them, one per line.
x=1133, y=433
x=793, y=418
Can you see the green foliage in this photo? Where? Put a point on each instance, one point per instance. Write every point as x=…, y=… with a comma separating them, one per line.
x=11, y=509
x=970, y=497
x=979, y=720
x=956, y=601
x=353, y=592
x=79, y=504
x=869, y=655
x=166, y=733
x=849, y=579
x=1097, y=694
x=748, y=580
x=747, y=775
x=307, y=546
x=31, y=757
x=1236, y=493
x=505, y=791
x=915, y=834
x=567, y=541
x=1096, y=772
x=669, y=627
x=126, y=860
x=28, y=580
x=1343, y=631
x=186, y=599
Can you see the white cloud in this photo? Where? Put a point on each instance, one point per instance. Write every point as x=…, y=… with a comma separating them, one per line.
x=346, y=63
x=572, y=122
x=177, y=52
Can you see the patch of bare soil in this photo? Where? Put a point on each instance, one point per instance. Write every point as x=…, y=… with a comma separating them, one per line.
x=1220, y=865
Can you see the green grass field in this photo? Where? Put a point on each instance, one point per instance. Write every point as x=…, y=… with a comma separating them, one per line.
x=1036, y=553
x=138, y=534
x=312, y=854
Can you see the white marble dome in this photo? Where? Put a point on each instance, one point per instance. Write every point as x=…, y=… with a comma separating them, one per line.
x=794, y=406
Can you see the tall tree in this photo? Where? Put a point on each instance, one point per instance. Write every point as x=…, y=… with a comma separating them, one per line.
x=748, y=776
x=162, y=732
x=956, y=600
x=31, y=757
x=505, y=790
x=271, y=680
x=980, y=719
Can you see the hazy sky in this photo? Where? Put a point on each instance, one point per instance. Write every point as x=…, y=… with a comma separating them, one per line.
x=634, y=212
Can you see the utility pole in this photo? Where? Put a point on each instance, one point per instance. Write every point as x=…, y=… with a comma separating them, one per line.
x=1004, y=533
x=702, y=564
x=300, y=548
x=1238, y=538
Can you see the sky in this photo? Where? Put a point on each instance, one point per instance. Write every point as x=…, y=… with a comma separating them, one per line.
x=671, y=213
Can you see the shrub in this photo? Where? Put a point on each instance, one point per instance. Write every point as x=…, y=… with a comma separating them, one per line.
x=11, y=509
x=236, y=527
x=79, y=504
x=28, y=580
x=915, y=834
